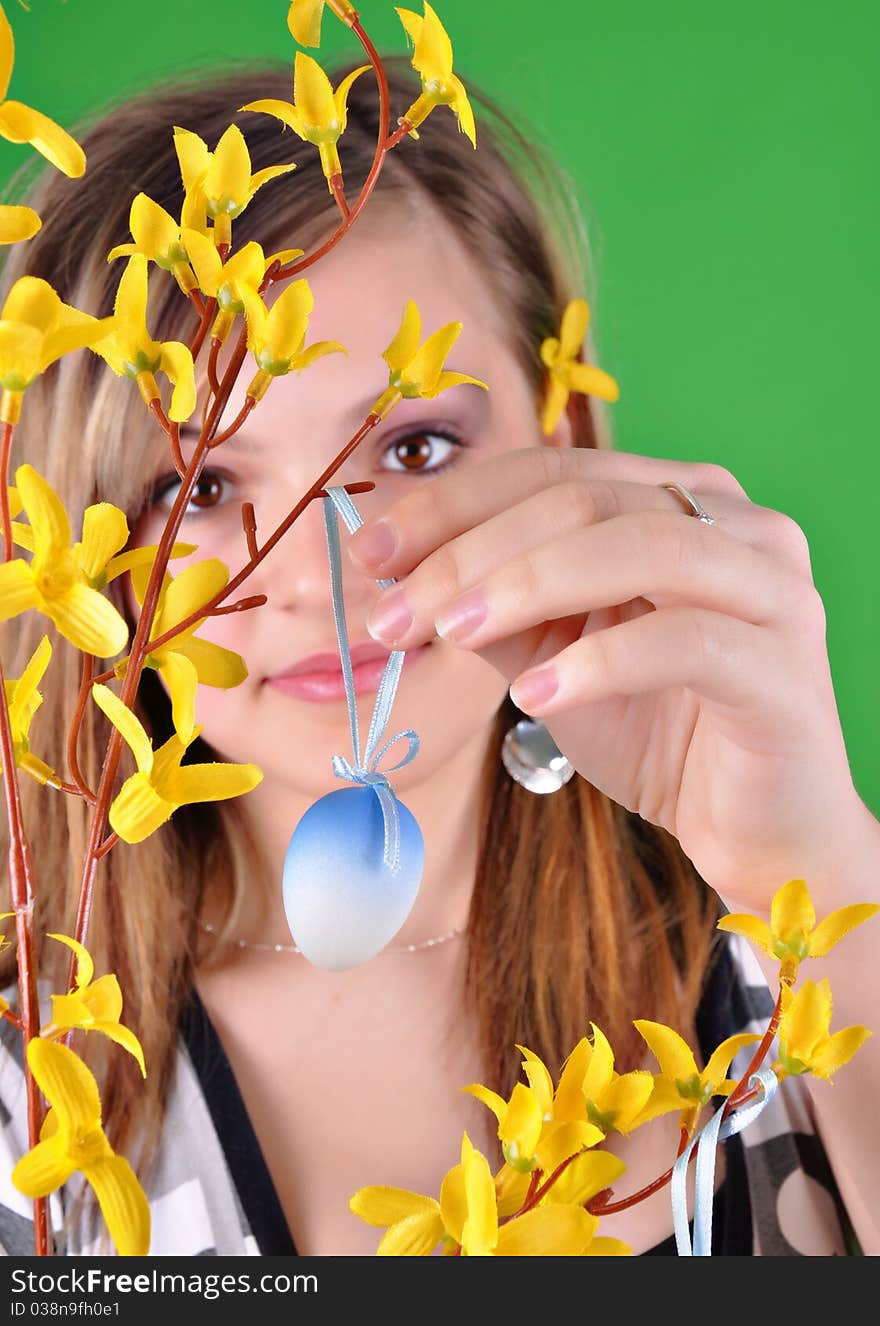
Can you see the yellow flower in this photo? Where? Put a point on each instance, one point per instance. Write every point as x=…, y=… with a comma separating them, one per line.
x=71, y=1139
x=24, y=700
x=531, y=1139
x=792, y=934
x=276, y=336
x=680, y=1084
x=467, y=1217
x=432, y=60
x=22, y=124
x=105, y=529
x=192, y=159
x=317, y=113
x=157, y=236
x=183, y=661
x=804, y=1043
x=566, y=373
x=59, y=580
x=131, y=352
x=15, y=502
x=613, y=1101
x=587, y=1175
x=17, y=223
x=36, y=328
x=150, y=797
x=91, y=1005
x=542, y=1125
x=220, y=181
x=418, y=370
x=304, y=18
x=226, y=281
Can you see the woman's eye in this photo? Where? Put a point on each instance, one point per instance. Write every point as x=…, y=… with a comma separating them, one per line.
x=203, y=492
x=413, y=452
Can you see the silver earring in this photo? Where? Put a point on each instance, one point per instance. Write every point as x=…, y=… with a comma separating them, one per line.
x=532, y=758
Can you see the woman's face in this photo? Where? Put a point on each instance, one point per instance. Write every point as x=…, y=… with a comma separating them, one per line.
x=446, y=694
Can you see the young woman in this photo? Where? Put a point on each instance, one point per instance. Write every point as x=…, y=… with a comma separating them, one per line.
x=694, y=702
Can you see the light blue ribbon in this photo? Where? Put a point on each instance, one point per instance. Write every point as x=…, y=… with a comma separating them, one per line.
x=716, y=1130
x=338, y=500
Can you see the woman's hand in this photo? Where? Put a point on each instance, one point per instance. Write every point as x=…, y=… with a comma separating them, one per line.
x=693, y=679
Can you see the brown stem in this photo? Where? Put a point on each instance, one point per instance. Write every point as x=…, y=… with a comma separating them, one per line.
x=172, y=429
x=211, y=418
x=20, y=862
x=21, y=886
x=212, y=364
x=74, y=791
x=242, y=605
x=316, y=490
x=8, y=1014
x=249, y=525
x=537, y=1191
x=256, y=600
x=293, y=269
x=230, y=377
x=741, y=1095
x=736, y=1096
x=610, y=1208
x=398, y=136
x=249, y=403
x=141, y=647
x=533, y=1184
x=129, y=688
x=164, y=422
x=339, y=194
x=106, y=845
x=88, y=664
x=21, y=880
x=204, y=323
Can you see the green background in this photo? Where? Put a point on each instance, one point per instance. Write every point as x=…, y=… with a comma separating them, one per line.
x=728, y=158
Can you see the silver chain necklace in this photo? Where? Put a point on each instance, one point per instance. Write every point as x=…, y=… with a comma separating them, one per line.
x=293, y=948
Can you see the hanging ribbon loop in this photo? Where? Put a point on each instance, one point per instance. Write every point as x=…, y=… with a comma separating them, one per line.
x=365, y=771
x=716, y=1130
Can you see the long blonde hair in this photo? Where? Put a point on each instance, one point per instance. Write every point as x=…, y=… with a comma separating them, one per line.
x=581, y=910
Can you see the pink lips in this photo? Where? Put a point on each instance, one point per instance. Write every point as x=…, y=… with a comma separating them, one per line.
x=365, y=652
x=323, y=683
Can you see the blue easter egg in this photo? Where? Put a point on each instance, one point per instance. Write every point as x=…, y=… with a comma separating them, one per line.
x=343, y=903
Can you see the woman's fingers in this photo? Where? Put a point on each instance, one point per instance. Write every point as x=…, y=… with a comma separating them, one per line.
x=665, y=557
x=727, y=661
x=518, y=500
x=470, y=495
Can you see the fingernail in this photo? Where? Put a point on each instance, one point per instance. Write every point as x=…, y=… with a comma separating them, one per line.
x=374, y=544
x=533, y=689
x=391, y=618
x=463, y=616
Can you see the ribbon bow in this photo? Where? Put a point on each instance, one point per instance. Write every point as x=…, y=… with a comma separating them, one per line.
x=366, y=773
x=717, y=1129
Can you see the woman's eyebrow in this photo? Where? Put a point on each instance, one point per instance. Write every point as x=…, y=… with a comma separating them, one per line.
x=192, y=433
x=475, y=398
